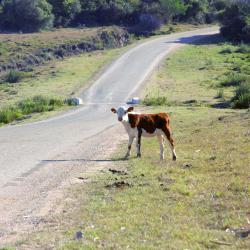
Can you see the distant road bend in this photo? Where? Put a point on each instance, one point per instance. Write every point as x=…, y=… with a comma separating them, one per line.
x=22, y=147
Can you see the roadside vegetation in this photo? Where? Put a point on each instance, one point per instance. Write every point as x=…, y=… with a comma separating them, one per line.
x=199, y=202
x=59, y=79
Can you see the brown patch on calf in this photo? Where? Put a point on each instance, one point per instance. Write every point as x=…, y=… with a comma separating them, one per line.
x=150, y=122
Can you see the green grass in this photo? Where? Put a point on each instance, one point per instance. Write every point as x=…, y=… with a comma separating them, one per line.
x=16, y=76
x=155, y=100
x=241, y=98
x=37, y=104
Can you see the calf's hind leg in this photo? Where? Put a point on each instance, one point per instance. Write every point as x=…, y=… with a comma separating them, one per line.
x=167, y=133
x=161, y=143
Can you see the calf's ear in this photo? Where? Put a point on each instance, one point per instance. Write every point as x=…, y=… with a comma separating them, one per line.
x=130, y=109
x=113, y=110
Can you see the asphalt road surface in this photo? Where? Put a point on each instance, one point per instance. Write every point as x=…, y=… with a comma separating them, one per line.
x=23, y=147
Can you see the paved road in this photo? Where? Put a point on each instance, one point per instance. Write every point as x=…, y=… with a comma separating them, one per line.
x=23, y=147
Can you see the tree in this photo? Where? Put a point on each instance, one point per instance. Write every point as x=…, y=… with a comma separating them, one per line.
x=26, y=15
x=236, y=22
x=65, y=11
x=171, y=8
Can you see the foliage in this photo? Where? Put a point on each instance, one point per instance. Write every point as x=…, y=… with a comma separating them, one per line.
x=37, y=104
x=65, y=11
x=155, y=101
x=15, y=76
x=236, y=22
x=26, y=15
x=241, y=98
x=233, y=79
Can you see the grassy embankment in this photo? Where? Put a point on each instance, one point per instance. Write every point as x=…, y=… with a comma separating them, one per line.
x=56, y=78
x=188, y=204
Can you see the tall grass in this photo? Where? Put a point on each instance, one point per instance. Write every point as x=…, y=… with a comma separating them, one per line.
x=241, y=98
x=37, y=104
x=155, y=101
x=233, y=79
x=9, y=114
x=16, y=76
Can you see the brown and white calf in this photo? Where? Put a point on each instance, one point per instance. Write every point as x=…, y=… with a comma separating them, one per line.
x=148, y=125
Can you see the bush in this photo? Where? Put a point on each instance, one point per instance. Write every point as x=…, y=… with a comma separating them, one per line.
x=26, y=15
x=220, y=93
x=147, y=24
x=241, y=98
x=36, y=104
x=243, y=48
x=155, y=101
x=235, y=22
x=39, y=104
x=9, y=114
x=65, y=11
x=226, y=51
x=15, y=76
x=233, y=79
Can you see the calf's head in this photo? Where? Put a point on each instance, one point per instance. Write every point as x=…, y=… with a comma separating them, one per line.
x=122, y=112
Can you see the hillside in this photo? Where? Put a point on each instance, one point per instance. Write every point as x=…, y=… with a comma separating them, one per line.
x=24, y=51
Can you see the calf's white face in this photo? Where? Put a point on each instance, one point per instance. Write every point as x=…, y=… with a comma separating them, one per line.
x=122, y=113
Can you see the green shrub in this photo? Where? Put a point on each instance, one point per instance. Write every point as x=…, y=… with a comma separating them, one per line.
x=27, y=106
x=226, y=51
x=155, y=101
x=241, y=98
x=9, y=114
x=243, y=48
x=26, y=15
x=233, y=79
x=220, y=93
x=39, y=104
x=14, y=76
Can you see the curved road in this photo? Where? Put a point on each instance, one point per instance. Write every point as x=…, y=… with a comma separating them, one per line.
x=22, y=147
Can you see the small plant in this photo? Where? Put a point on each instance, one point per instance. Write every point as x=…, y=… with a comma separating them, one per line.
x=13, y=77
x=9, y=114
x=243, y=48
x=233, y=79
x=226, y=51
x=155, y=101
x=241, y=98
x=220, y=93
x=16, y=76
x=39, y=104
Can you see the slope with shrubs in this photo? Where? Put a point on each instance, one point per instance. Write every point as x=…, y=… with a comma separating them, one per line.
x=25, y=51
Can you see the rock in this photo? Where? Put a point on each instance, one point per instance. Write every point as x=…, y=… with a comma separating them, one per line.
x=75, y=101
x=79, y=235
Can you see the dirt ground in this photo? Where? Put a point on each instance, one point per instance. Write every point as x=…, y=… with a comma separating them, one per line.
x=27, y=201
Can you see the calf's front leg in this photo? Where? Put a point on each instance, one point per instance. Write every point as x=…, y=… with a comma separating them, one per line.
x=138, y=142
x=130, y=142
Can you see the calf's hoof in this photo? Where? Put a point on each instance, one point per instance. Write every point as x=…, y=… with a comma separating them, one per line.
x=126, y=157
x=174, y=158
x=139, y=155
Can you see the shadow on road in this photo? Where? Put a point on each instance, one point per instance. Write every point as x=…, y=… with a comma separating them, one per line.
x=201, y=39
x=84, y=160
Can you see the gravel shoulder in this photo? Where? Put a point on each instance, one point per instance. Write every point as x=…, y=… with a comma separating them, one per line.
x=30, y=201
